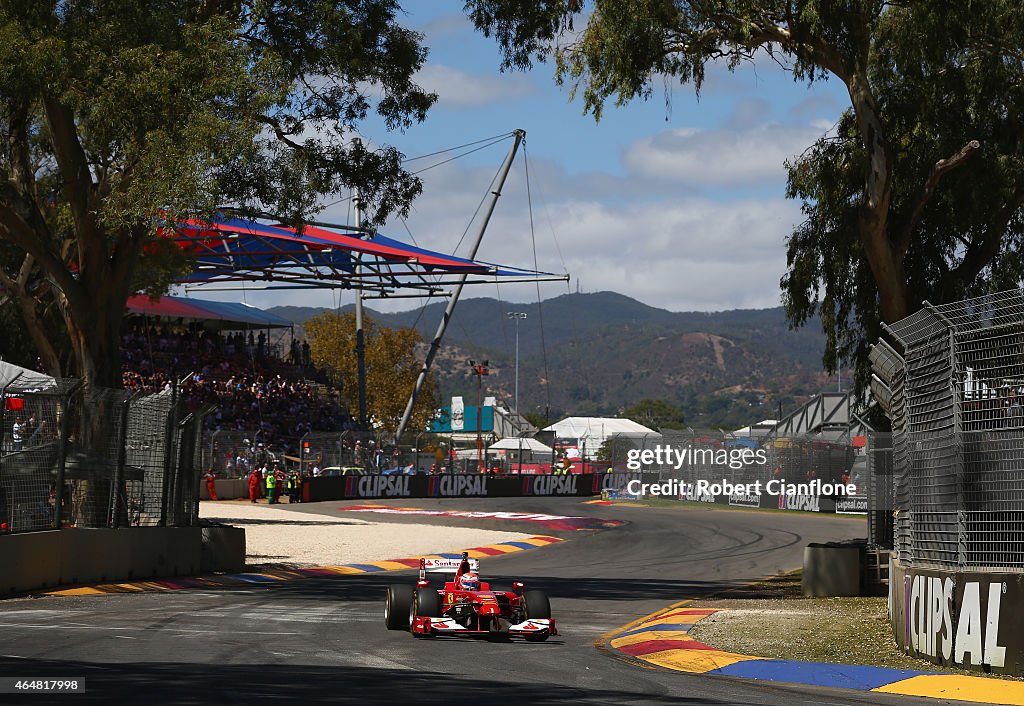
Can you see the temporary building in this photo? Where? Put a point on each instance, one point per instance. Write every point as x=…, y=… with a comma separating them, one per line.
x=517, y=443
x=588, y=434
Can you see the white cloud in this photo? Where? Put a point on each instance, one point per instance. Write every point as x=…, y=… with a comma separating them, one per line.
x=688, y=254
x=442, y=26
x=653, y=234
x=720, y=157
x=459, y=89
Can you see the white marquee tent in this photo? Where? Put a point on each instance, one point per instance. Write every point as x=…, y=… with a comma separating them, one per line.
x=589, y=433
x=513, y=443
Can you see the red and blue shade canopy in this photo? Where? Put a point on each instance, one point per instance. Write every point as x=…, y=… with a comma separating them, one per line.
x=233, y=252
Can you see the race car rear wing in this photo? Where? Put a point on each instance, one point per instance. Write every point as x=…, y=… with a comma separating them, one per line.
x=442, y=565
x=448, y=566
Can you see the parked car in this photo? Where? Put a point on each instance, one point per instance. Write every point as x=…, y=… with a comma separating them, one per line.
x=343, y=471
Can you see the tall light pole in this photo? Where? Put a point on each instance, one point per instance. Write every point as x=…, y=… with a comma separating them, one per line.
x=517, y=316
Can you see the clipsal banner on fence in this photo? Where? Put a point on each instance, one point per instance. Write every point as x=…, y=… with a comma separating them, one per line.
x=807, y=503
x=457, y=486
x=375, y=486
x=556, y=485
x=744, y=500
x=971, y=620
x=855, y=505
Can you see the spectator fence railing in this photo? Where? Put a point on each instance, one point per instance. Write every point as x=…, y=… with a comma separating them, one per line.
x=74, y=455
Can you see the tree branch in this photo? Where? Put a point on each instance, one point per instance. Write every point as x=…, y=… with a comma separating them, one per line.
x=983, y=250
x=17, y=231
x=73, y=165
x=939, y=170
x=279, y=131
x=27, y=304
x=18, y=143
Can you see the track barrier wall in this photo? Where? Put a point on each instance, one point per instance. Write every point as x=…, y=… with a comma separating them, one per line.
x=458, y=485
x=972, y=620
x=609, y=485
x=34, y=560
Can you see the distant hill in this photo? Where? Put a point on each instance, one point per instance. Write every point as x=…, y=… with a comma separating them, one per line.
x=605, y=351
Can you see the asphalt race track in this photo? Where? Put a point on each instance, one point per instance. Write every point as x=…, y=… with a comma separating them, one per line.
x=324, y=640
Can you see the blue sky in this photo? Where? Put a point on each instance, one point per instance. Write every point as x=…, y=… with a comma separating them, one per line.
x=679, y=206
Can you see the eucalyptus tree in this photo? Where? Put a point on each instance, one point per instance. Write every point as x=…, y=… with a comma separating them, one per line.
x=118, y=117
x=918, y=192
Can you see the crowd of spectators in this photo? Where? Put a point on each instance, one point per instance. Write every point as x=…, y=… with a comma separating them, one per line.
x=254, y=389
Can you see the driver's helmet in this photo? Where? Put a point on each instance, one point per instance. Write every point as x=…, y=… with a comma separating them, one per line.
x=469, y=582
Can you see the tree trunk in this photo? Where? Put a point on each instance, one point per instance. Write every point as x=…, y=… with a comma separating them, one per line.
x=887, y=269
x=95, y=338
x=879, y=249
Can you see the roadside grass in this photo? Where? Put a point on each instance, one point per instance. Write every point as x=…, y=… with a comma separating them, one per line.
x=773, y=619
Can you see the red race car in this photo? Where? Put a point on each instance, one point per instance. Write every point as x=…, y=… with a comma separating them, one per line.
x=465, y=606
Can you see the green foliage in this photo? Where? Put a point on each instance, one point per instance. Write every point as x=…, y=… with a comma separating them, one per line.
x=391, y=367
x=940, y=84
x=614, y=450
x=117, y=114
x=917, y=195
x=656, y=414
x=536, y=419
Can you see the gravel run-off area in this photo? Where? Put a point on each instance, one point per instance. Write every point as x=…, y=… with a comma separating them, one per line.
x=775, y=620
x=277, y=536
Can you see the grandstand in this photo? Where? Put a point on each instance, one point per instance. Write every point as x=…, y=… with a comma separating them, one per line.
x=242, y=360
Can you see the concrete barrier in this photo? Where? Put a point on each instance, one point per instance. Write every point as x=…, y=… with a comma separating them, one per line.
x=223, y=549
x=967, y=619
x=29, y=561
x=831, y=569
x=228, y=489
x=36, y=560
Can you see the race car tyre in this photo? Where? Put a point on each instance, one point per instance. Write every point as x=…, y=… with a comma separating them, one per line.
x=396, y=610
x=428, y=603
x=424, y=602
x=537, y=606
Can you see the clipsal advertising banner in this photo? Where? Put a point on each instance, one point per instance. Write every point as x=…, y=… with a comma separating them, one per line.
x=379, y=486
x=970, y=620
x=854, y=505
x=806, y=503
x=458, y=486
x=602, y=481
x=554, y=485
x=744, y=500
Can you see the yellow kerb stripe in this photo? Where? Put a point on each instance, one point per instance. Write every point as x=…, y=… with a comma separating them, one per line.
x=390, y=565
x=697, y=661
x=343, y=569
x=627, y=640
x=959, y=688
x=81, y=591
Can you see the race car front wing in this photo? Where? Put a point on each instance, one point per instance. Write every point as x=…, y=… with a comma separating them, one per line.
x=423, y=625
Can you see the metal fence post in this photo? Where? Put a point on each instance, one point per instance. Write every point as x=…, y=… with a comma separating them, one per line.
x=122, y=454
x=170, y=428
x=958, y=453
x=3, y=428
